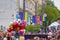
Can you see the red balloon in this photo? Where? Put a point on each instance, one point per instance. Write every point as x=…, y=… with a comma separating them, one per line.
x=22, y=26
x=15, y=25
x=9, y=30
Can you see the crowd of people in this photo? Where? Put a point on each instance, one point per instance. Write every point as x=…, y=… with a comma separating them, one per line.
x=53, y=32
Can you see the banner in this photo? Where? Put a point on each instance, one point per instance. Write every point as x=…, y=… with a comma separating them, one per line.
x=28, y=18
x=33, y=19
x=21, y=15
x=25, y=16
x=17, y=15
x=38, y=19
x=44, y=18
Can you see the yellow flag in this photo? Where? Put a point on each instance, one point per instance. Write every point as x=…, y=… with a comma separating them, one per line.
x=25, y=16
x=43, y=19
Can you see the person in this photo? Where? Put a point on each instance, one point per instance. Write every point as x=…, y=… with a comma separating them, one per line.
x=5, y=37
x=58, y=38
x=54, y=24
x=9, y=36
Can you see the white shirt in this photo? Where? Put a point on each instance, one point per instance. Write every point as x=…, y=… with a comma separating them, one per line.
x=5, y=39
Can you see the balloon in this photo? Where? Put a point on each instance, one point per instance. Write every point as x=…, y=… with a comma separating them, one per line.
x=20, y=32
x=18, y=29
x=23, y=21
x=11, y=27
x=15, y=25
x=19, y=21
x=8, y=29
x=10, y=23
x=22, y=26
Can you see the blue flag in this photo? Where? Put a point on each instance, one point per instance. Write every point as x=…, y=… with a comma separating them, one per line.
x=21, y=15
x=40, y=18
x=33, y=19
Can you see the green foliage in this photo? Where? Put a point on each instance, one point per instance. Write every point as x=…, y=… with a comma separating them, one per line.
x=32, y=28
x=49, y=2
x=52, y=12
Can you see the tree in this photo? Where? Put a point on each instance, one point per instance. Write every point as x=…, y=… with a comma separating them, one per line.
x=52, y=12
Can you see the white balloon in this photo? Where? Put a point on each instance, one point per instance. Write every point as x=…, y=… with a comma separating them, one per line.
x=19, y=21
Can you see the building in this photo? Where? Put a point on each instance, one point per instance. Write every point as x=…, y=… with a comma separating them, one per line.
x=9, y=8
x=7, y=11
x=30, y=5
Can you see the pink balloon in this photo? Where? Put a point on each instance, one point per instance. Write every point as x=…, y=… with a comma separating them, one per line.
x=23, y=21
x=20, y=32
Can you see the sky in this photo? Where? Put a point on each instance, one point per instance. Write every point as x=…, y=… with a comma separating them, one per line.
x=57, y=3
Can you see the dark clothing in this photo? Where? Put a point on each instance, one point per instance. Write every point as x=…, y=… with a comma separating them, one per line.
x=8, y=38
x=1, y=38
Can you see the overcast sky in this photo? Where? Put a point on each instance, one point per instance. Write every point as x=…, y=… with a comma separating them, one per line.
x=57, y=3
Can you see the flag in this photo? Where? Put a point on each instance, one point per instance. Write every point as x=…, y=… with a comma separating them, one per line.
x=25, y=16
x=17, y=15
x=28, y=18
x=38, y=19
x=33, y=19
x=21, y=15
x=44, y=18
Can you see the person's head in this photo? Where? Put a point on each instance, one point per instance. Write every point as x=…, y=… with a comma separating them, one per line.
x=58, y=37
x=58, y=20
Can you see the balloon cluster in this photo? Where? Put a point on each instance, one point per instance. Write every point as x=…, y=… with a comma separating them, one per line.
x=16, y=26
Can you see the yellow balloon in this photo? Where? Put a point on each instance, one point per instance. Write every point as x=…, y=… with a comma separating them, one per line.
x=18, y=28
x=11, y=27
x=10, y=24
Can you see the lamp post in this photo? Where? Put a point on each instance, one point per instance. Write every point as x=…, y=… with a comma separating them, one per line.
x=45, y=21
x=24, y=7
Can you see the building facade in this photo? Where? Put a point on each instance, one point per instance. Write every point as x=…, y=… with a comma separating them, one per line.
x=7, y=12
x=30, y=5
